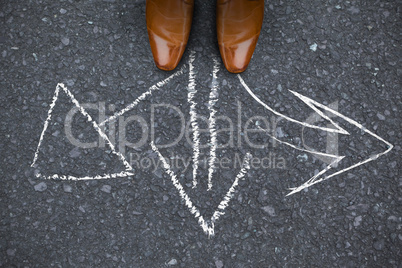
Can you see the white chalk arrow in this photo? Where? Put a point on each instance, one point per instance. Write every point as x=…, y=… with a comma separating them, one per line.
x=127, y=172
x=320, y=176
x=207, y=226
x=213, y=99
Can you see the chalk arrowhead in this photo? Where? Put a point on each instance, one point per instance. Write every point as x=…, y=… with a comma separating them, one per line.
x=118, y=160
x=337, y=129
x=320, y=177
x=207, y=226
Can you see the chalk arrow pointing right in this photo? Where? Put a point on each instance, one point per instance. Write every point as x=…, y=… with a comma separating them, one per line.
x=319, y=177
x=316, y=106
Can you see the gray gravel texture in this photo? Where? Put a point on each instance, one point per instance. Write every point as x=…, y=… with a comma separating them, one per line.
x=343, y=52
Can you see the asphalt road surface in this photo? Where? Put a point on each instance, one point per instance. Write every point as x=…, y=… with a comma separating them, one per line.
x=101, y=151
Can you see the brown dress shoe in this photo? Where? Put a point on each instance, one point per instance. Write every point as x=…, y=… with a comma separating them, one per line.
x=238, y=25
x=168, y=23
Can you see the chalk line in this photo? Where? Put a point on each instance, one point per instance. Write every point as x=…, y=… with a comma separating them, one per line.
x=49, y=117
x=97, y=177
x=213, y=98
x=142, y=97
x=95, y=126
x=337, y=128
x=208, y=228
x=312, y=181
x=193, y=117
x=225, y=202
x=301, y=149
x=313, y=105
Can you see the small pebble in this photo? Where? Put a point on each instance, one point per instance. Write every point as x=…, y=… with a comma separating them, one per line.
x=246, y=235
x=137, y=213
x=10, y=252
x=270, y=210
x=172, y=262
x=67, y=188
x=313, y=47
x=379, y=245
x=40, y=187
x=106, y=188
x=74, y=153
x=65, y=41
x=218, y=264
x=357, y=221
x=380, y=116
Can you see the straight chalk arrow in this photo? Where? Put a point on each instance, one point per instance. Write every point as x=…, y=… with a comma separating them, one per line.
x=207, y=226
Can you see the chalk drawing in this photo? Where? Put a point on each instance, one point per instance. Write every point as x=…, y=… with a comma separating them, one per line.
x=143, y=96
x=191, y=91
x=213, y=98
x=317, y=179
x=313, y=105
x=49, y=117
x=208, y=228
x=97, y=177
x=337, y=129
x=95, y=126
x=126, y=173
